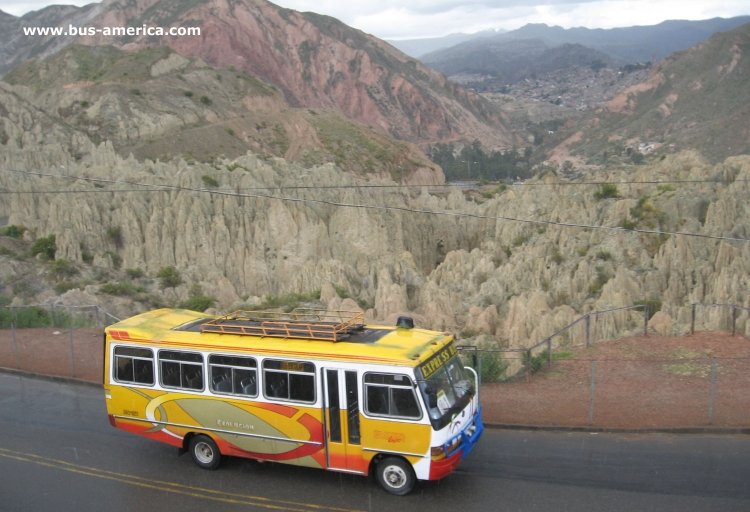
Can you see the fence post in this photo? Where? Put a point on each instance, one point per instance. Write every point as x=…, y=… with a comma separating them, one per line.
x=549, y=352
x=645, y=320
x=734, y=319
x=712, y=392
x=479, y=371
x=13, y=325
x=72, y=349
x=592, y=393
x=692, y=319
x=527, y=364
x=588, y=330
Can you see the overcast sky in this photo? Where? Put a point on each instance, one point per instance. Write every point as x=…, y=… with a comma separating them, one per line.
x=396, y=19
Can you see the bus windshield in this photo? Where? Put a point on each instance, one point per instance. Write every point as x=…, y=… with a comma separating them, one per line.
x=445, y=386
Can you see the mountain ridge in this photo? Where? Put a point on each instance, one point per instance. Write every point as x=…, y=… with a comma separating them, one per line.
x=315, y=60
x=695, y=99
x=626, y=45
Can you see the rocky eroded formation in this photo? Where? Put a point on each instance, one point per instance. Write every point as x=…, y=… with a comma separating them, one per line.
x=513, y=265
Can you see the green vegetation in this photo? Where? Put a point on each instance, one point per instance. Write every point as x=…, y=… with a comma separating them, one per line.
x=210, y=181
x=35, y=316
x=134, y=273
x=91, y=63
x=205, y=100
x=644, y=213
x=627, y=224
x=63, y=268
x=556, y=256
x=86, y=255
x=13, y=231
x=288, y=301
x=652, y=304
x=703, y=210
x=356, y=148
x=607, y=191
x=45, y=247
x=198, y=301
x=115, y=258
x=472, y=162
x=169, y=277
x=519, y=240
x=602, y=277
x=341, y=291
x=535, y=363
x=114, y=233
x=688, y=369
x=492, y=367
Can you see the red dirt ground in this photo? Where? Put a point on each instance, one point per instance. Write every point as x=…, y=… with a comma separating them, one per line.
x=701, y=380
x=639, y=382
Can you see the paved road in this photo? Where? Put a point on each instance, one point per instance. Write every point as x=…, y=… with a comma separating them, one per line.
x=58, y=453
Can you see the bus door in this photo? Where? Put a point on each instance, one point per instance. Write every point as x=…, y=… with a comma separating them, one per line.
x=342, y=407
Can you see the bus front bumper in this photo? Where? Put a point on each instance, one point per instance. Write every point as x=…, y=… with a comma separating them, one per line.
x=469, y=438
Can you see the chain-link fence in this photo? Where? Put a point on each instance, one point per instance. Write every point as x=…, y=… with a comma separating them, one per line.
x=54, y=340
x=655, y=392
x=572, y=378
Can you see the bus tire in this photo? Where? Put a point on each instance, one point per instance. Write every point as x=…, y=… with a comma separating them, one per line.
x=395, y=475
x=204, y=452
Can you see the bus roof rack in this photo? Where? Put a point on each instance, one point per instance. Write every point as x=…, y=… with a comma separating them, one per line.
x=312, y=324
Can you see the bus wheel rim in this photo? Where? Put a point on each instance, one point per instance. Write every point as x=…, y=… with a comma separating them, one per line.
x=204, y=452
x=395, y=476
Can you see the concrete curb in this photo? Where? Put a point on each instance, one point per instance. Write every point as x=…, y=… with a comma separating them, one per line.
x=53, y=378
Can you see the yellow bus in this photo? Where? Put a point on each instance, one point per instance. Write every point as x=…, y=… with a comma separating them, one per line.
x=310, y=388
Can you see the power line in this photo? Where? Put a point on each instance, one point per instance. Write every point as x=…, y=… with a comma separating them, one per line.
x=457, y=185
x=404, y=209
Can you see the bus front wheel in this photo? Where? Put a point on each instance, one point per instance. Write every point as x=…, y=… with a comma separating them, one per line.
x=395, y=475
x=204, y=451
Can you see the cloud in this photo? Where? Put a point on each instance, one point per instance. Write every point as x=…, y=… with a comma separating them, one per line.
x=21, y=8
x=396, y=19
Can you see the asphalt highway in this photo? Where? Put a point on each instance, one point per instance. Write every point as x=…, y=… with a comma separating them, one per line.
x=59, y=453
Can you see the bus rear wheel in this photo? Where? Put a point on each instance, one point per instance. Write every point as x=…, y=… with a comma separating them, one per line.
x=395, y=475
x=204, y=452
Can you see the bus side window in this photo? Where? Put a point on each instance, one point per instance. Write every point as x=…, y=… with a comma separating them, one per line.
x=182, y=370
x=390, y=395
x=233, y=375
x=144, y=371
x=134, y=365
x=377, y=399
x=289, y=380
x=170, y=374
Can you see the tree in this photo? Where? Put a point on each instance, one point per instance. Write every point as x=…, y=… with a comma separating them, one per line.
x=169, y=277
x=45, y=246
